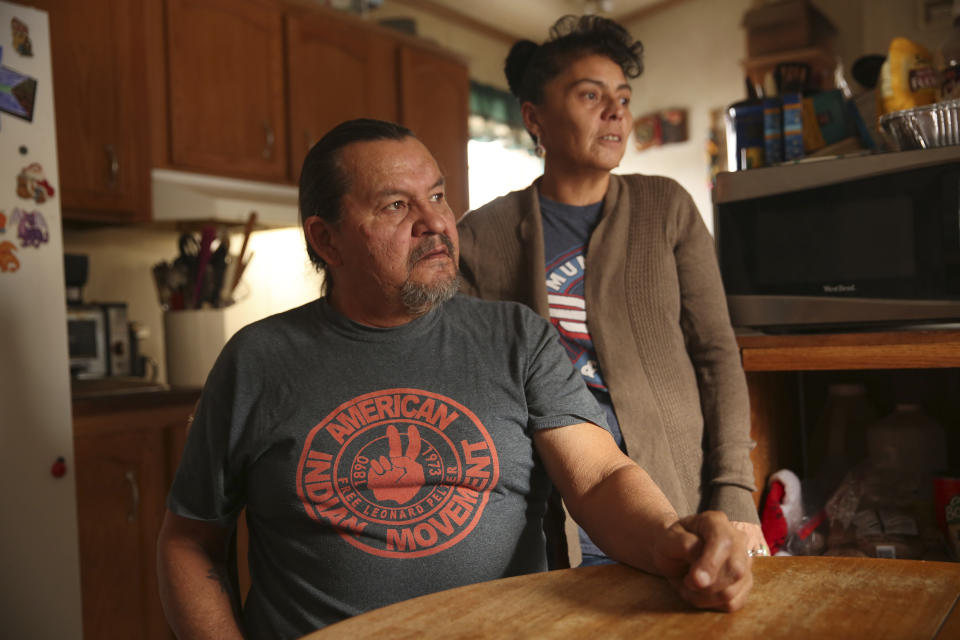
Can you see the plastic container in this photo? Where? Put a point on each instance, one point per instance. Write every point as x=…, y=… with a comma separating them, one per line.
x=838, y=441
x=908, y=440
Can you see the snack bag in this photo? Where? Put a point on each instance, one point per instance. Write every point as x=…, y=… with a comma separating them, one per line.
x=908, y=78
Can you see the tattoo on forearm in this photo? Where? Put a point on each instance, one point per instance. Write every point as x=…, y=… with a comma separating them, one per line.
x=219, y=578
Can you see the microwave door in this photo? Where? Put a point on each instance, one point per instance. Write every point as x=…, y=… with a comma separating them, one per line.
x=86, y=345
x=881, y=249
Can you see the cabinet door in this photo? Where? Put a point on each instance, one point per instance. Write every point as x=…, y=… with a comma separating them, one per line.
x=120, y=498
x=336, y=71
x=225, y=87
x=100, y=102
x=435, y=102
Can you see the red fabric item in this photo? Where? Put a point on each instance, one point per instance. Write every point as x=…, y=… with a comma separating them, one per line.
x=772, y=522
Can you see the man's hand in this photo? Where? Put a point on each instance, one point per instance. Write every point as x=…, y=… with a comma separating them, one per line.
x=627, y=515
x=705, y=558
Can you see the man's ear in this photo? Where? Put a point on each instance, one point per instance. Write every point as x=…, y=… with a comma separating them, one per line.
x=321, y=238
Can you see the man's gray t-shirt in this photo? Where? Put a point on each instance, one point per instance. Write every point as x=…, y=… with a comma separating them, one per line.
x=377, y=465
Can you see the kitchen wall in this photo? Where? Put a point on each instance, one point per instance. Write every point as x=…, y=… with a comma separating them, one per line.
x=692, y=55
x=279, y=276
x=484, y=53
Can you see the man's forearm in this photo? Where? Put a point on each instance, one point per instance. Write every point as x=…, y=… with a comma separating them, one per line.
x=195, y=590
x=624, y=514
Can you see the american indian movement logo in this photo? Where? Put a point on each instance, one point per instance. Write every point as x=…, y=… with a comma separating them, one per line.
x=398, y=473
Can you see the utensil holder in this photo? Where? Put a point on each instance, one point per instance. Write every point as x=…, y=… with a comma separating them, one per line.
x=194, y=338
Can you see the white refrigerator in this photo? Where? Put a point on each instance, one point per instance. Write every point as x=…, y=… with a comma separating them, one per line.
x=39, y=558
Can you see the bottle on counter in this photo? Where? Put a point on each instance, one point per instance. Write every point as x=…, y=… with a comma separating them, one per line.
x=948, y=59
x=838, y=441
x=908, y=440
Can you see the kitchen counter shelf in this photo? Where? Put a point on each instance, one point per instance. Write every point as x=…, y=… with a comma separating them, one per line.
x=915, y=349
x=788, y=377
x=96, y=400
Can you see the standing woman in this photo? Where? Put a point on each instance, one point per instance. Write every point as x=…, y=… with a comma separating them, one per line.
x=625, y=269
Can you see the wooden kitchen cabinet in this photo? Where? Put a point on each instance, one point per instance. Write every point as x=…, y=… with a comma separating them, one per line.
x=237, y=88
x=435, y=104
x=123, y=459
x=100, y=103
x=225, y=87
x=336, y=70
x=788, y=377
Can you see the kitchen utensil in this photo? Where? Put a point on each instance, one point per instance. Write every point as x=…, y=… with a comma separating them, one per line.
x=206, y=240
x=218, y=264
x=241, y=264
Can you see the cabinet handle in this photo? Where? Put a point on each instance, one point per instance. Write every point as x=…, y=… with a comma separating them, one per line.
x=114, y=162
x=134, y=496
x=269, y=140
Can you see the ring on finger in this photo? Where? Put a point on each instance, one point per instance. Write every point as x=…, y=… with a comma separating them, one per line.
x=755, y=553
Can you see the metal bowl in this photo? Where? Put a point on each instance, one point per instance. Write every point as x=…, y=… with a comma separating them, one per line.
x=932, y=125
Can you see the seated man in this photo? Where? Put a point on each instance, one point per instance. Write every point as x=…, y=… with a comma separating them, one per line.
x=394, y=438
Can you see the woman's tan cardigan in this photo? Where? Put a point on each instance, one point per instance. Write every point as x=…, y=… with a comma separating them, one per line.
x=659, y=322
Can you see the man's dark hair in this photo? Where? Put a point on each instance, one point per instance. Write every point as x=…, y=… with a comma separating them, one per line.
x=323, y=182
x=529, y=66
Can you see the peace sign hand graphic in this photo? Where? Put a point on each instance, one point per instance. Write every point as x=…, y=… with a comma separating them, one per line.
x=398, y=477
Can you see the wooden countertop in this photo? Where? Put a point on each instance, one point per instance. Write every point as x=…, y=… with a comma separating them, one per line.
x=916, y=349
x=792, y=597
x=124, y=408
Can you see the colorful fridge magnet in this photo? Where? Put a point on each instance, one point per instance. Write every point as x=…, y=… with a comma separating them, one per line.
x=32, y=183
x=21, y=38
x=31, y=228
x=3, y=222
x=18, y=92
x=8, y=260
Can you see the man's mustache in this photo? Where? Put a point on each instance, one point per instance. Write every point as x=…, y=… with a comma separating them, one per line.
x=427, y=245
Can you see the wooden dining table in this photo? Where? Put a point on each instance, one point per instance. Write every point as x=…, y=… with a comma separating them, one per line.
x=792, y=597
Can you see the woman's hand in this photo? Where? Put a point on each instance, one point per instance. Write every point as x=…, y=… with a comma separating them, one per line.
x=755, y=540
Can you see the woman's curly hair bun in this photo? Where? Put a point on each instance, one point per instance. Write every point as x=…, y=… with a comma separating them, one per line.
x=517, y=62
x=530, y=66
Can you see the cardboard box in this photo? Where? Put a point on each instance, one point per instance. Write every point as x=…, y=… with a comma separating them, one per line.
x=784, y=26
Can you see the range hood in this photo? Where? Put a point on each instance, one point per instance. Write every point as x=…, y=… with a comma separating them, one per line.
x=179, y=196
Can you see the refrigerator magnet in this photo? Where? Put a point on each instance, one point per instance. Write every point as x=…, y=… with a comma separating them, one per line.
x=3, y=222
x=18, y=92
x=32, y=183
x=8, y=260
x=31, y=228
x=21, y=38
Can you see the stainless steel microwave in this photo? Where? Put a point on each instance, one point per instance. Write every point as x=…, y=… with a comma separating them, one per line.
x=99, y=340
x=847, y=242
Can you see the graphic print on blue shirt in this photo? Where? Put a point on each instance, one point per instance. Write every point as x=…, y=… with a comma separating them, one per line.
x=568, y=313
x=566, y=230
